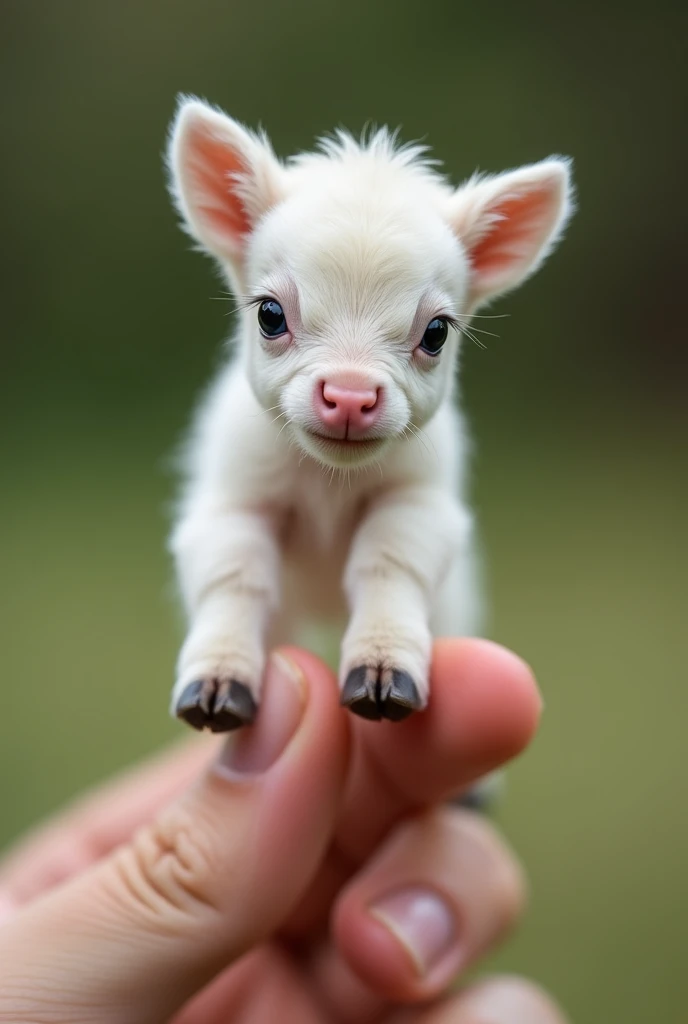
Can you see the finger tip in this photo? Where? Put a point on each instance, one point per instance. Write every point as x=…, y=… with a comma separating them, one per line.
x=515, y=703
x=484, y=708
x=379, y=958
x=484, y=700
x=508, y=998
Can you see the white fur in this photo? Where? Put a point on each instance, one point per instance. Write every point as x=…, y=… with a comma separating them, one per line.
x=362, y=244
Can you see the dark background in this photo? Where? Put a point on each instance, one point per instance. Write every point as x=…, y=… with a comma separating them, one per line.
x=579, y=410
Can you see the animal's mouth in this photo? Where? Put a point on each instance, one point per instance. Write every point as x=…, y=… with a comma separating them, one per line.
x=342, y=452
x=345, y=442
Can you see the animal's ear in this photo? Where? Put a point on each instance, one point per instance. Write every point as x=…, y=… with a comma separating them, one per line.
x=223, y=178
x=508, y=223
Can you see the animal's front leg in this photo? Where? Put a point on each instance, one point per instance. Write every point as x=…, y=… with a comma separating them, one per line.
x=228, y=566
x=398, y=560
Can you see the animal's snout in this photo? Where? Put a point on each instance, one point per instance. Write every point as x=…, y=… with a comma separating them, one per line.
x=347, y=408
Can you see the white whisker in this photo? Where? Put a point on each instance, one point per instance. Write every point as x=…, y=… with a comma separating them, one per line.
x=479, y=330
x=422, y=437
x=286, y=423
x=482, y=316
x=476, y=341
x=272, y=408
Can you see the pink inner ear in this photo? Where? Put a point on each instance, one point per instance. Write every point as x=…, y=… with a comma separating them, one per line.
x=509, y=240
x=213, y=163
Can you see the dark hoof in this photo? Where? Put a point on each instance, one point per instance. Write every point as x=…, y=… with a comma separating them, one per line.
x=483, y=796
x=377, y=693
x=474, y=800
x=216, y=704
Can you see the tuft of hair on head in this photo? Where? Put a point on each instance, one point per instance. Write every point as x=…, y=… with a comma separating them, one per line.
x=376, y=144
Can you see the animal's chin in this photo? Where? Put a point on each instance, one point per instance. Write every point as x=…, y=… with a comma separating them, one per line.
x=342, y=454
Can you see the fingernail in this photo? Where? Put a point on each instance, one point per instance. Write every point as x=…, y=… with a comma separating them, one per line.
x=256, y=748
x=421, y=921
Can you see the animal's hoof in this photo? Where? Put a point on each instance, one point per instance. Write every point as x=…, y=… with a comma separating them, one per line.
x=483, y=795
x=375, y=693
x=216, y=704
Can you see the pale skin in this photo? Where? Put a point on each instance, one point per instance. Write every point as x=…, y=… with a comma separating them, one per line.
x=307, y=870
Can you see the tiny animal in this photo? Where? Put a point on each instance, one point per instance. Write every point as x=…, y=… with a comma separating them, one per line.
x=324, y=477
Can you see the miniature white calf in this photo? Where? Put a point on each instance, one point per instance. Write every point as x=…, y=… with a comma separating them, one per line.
x=325, y=473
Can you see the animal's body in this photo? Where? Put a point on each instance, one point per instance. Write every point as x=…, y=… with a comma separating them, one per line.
x=325, y=476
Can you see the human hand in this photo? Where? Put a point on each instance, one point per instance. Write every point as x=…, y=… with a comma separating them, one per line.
x=310, y=873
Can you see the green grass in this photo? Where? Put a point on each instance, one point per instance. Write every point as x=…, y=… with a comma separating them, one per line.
x=587, y=571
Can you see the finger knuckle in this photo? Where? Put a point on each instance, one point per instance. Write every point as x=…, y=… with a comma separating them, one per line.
x=165, y=873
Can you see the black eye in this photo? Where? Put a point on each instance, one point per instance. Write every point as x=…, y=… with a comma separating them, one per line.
x=271, y=318
x=435, y=336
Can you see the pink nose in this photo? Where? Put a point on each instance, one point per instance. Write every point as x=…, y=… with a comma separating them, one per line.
x=347, y=412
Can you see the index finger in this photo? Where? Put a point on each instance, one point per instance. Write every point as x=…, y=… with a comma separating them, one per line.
x=484, y=709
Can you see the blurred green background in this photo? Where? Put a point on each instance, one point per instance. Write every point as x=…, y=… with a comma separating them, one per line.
x=579, y=410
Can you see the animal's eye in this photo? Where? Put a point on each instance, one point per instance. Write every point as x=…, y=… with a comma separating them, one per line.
x=271, y=318
x=435, y=336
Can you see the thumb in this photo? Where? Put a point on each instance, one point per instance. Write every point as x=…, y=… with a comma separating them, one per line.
x=217, y=872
